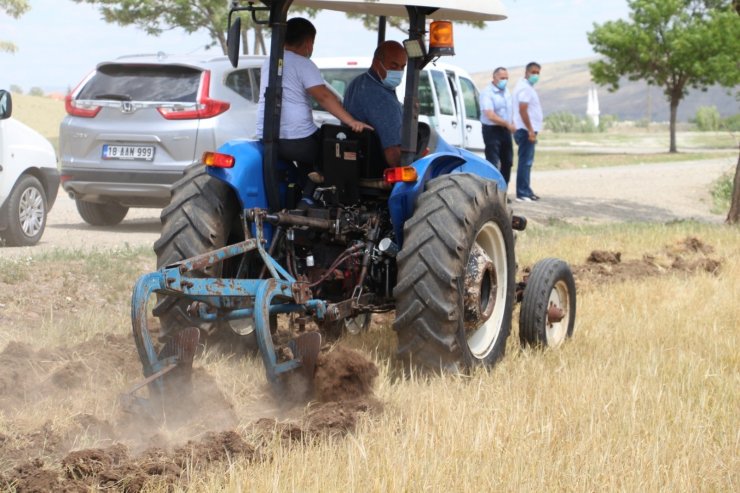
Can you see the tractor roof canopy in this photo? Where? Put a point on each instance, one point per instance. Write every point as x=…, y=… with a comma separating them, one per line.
x=451, y=10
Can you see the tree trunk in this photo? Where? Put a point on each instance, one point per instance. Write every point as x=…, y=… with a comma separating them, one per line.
x=733, y=217
x=674, y=113
x=259, y=41
x=245, y=41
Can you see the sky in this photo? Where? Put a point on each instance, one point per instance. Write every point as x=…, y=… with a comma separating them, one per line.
x=59, y=41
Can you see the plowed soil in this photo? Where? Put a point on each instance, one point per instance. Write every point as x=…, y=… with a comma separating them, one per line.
x=128, y=447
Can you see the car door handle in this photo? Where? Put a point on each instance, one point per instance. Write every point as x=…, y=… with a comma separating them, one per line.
x=469, y=127
x=454, y=124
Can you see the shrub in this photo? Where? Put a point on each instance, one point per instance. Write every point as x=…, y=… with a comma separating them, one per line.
x=722, y=192
x=36, y=91
x=563, y=122
x=607, y=121
x=707, y=118
x=16, y=89
x=731, y=123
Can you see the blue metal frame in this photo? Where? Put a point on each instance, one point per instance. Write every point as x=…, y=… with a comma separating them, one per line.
x=227, y=297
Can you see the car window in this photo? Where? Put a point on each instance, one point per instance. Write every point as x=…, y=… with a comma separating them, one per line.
x=426, y=100
x=338, y=79
x=245, y=82
x=453, y=88
x=443, y=93
x=143, y=83
x=470, y=98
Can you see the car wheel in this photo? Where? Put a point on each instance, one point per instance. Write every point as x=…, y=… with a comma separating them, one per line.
x=101, y=214
x=26, y=213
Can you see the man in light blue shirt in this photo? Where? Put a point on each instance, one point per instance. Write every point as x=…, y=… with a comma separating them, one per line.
x=496, y=115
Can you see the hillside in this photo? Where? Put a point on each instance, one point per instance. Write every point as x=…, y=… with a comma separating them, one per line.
x=564, y=87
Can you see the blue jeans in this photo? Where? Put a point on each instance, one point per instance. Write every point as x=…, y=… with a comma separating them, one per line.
x=526, y=160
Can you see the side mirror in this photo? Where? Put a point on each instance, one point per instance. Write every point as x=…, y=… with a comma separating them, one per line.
x=6, y=104
x=233, y=41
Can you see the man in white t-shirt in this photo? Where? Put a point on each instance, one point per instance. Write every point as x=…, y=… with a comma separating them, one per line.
x=300, y=138
x=528, y=121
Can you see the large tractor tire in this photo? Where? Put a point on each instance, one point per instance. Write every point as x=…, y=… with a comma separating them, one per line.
x=548, y=311
x=455, y=296
x=101, y=214
x=202, y=216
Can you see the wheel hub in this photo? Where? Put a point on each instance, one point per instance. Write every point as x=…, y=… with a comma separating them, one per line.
x=480, y=288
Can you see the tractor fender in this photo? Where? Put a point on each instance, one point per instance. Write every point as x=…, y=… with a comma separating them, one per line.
x=446, y=160
x=245, y=178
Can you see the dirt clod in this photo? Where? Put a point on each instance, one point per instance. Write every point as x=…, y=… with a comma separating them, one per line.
x=344, y=374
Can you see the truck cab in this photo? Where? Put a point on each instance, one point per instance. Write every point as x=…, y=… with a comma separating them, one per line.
x=448, y=98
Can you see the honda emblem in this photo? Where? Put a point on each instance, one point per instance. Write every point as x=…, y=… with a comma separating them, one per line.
x=127, y=107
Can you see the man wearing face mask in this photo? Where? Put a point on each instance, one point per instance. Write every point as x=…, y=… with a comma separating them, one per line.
x=371, y=97
x=528, y=121
x=300, y=138
x=496, y=114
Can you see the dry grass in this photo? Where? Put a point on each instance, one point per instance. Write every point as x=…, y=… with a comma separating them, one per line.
x=646, y=397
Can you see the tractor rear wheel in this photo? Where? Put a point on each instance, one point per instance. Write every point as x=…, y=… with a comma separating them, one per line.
x=455, y=296
x=202, y=216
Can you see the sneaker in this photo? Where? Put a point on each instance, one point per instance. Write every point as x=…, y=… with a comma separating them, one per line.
x=523, y=199
x=534, y=196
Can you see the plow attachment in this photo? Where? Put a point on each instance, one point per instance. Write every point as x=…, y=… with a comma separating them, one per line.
x=220, y=299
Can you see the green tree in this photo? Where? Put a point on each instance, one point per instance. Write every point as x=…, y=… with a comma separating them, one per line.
x=157, y=16
x=16, y=89
x=15, y=9
x=673, y=44
x=36, y=91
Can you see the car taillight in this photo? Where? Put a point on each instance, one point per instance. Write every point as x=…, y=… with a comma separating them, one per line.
x=205, y=107
x=85, y=109
x=218, y=160
x=405, y=174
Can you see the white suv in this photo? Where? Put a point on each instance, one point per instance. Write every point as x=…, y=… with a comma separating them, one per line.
x=29, y=179
x=135, y=123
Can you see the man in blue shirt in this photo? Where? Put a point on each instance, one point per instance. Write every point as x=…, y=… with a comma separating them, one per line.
x=496, y=117
x=371, y=98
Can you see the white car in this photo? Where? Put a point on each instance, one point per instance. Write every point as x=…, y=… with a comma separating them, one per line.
x=29, y=179
x=448, y=98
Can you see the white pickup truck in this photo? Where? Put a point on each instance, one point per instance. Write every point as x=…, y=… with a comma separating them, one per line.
x=29, y=179
x=448, y=99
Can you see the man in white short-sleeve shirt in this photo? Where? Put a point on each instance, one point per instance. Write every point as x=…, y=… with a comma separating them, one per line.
x=300, y=138
x=528, y=122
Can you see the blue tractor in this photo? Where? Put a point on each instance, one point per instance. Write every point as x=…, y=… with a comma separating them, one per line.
x=432, y=239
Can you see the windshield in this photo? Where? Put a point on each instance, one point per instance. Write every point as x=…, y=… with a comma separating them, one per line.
x=338, y=79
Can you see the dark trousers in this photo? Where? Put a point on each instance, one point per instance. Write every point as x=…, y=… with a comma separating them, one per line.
x=499, y=148
x=306, y=153
x=524, y=166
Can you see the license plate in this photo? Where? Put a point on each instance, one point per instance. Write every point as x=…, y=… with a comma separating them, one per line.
x=134, y=153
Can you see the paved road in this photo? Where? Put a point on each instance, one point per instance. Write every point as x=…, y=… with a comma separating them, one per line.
x=651, y=192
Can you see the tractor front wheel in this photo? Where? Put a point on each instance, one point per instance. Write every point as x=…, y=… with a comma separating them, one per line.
x=548, y=310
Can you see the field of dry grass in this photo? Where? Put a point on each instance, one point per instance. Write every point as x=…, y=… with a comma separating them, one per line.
x=645, y=397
